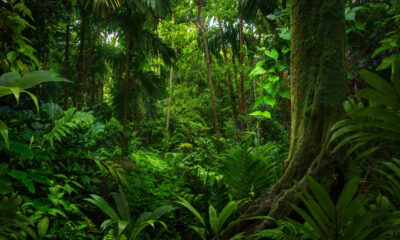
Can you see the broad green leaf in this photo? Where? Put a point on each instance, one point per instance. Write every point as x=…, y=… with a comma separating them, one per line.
x=4, y=133
x=323, y=198
x=379, y=50
x=201, y=231
x=285, y=36
x=396, y=74
x=139, y=228
x=42, y=226
x=273, y=53
x=350, y=15
x=212, y=215
x=225, y=214
x=347, y=195
x=263, y=114
x=269, y=100
x=285, y=94
x=104, y=206
x=189, y=206
x=377, y=82
x=11, y=56
x=30, y=79
x=379, y=97
x=360, y=26
x=386, y=62
x=257, y=71
x=315, y=209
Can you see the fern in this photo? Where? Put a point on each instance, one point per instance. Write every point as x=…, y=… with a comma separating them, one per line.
x=348, y=218
x=391, y=171
x=247, y=170
x=379, y=121
x=113, y=169
x=71, y=121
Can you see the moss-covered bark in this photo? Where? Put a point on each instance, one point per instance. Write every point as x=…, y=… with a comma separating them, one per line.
x=318, y=89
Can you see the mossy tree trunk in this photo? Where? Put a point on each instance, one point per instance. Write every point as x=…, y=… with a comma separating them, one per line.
x=318, y=89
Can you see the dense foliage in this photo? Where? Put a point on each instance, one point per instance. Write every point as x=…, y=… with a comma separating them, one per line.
x=161, y=119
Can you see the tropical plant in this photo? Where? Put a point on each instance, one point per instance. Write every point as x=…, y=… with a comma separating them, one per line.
x=348, y=218
x=18, y=49
x=64, y=126
x=248, y=170
x=12, y=221
x=218, y=223
x=390, y=170
x=121, y=222
x=14, y=83
x=379, y=121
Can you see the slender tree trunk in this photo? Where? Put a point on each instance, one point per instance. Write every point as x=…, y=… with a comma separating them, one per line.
x=258, y=122
x=90, y=67
x=228, y=76
x=241, y=61
x=318, y=89
x=203, y=36
x=239, y=102
x=66, y=62
x=171, y=75
x=81, y=66
x=103, y=69
x=125, y=95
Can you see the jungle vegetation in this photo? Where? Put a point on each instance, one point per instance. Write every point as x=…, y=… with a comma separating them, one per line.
x=200, y=119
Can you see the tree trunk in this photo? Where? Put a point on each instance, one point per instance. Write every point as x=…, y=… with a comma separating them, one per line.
x=228, y=76
x=90, y=69
x=258, y=122
x=125, y=96
x=241, y=61
x=81, y=68
x=103, y=69
x=66, y=62
x=318, y=89
x=203, y=36
x=237, y=90
x=171, y=75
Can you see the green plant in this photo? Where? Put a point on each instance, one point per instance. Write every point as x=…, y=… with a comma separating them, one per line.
x=248, y=170
x=377, y=122
x=390, y=170
x=13, y=83
x=348, y=218
x=13, y=54
x=121, y=222
x=72, y=120
x=218, y=223
x=12, y=222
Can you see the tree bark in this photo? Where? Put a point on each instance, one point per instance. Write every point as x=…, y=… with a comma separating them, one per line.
x=125, y=95
x=228, y=76
x=241, y=61
x=66, y=61
x=318, y=89
x=80, y=65
x=239, y=102
x=171, y=75
x=207, y=57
